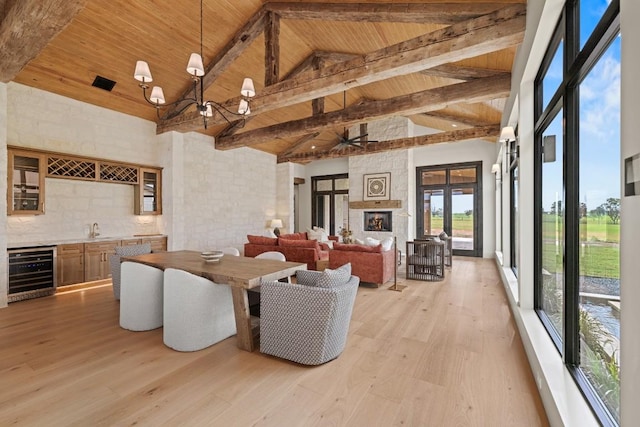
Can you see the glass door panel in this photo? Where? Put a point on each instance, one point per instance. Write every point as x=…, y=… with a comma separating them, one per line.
x=462, y=218
x=433, y=211
x=322, y=217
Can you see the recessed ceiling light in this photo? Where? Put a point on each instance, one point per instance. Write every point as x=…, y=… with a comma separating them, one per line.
x=313, y=147
x=454, y=125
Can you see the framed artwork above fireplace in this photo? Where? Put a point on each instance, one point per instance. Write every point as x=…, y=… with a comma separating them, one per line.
x=377, y=186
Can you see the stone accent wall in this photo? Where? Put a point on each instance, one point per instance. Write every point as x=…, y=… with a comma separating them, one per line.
x=227, y=194
x=396, y=162
x=284, y=198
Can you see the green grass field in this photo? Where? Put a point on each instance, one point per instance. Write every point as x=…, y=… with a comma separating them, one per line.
x=599, y=249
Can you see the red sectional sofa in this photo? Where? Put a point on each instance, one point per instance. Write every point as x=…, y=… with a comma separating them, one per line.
x=295, y=247
x=370, y=263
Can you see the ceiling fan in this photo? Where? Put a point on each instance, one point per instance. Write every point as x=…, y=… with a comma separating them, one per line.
x=343, y=140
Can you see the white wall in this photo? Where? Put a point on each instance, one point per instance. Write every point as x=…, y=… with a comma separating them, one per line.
x=460, y=152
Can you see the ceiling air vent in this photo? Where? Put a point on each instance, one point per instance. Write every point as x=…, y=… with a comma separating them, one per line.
x=103, y=83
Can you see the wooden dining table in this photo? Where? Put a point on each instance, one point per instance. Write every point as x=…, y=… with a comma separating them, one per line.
x=240, y=273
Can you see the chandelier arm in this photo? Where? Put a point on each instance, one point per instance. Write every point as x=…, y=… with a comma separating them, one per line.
x=219, y=107
x=146, y=98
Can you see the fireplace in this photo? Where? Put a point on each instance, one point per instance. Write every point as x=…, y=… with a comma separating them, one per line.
x=377, y=221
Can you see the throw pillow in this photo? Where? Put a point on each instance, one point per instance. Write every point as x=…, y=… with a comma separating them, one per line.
x=359, y=242
x=330, y=278
x=370, y=241
x=443, y=235
x=317, y=234
x=261, y=240
x=387, y=244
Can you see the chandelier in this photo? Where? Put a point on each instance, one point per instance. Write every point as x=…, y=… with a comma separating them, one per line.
x=195, y=68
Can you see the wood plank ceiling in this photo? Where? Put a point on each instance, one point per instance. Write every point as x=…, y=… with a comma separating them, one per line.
x=318, y=67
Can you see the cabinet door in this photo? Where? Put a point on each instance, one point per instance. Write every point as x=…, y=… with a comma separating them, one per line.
x=70, y=264
x=96, y=259
x=25, y=189
x=149, y=192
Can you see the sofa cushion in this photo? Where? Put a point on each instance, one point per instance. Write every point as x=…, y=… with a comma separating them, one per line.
x=294, y=236
x=330, y=278
x=313, y=244
x=387, y=243
x=262, y=240
x=356, y=248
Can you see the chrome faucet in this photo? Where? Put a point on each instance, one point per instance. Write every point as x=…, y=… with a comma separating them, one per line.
x=95, y=230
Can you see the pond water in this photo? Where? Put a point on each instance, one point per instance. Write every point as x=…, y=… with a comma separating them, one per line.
x=606, y=315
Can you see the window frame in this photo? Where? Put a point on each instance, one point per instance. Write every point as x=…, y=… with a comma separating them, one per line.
x=577, y=63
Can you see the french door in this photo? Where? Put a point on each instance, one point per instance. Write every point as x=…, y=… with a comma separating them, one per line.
x=330, y=202
x=449, y=199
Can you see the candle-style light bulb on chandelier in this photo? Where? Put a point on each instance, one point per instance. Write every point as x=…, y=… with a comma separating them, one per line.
x=195, y=68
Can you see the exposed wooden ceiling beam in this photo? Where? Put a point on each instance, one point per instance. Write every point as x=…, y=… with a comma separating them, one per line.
x=219, y=64
x=460, y=72
x=465, y=120
x=492, y=131
x=271, y=49
x=428, y=100
x=488, y=33
x=442, y=13
x=27, y=27
x=299, y=143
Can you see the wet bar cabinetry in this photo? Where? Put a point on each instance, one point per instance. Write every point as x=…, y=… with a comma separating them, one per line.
x=89, y=261
x=28, y=169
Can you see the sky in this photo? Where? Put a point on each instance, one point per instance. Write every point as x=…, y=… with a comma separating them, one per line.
x=599, y=121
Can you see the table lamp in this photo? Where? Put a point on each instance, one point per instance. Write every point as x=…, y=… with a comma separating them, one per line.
x=276, y=224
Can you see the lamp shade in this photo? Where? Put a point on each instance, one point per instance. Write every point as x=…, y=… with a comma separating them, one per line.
x=276, y=223
x=248, y=89
x=507, y=134
x=208, y=112
x=195, y=66
x=243, y=108
x=157, y=95
x=142, y=72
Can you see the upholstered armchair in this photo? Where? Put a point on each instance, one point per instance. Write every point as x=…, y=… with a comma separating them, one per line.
x=307, y=322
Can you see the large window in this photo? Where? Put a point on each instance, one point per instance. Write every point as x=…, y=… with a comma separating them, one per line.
x=330, y=202
x=577, y=199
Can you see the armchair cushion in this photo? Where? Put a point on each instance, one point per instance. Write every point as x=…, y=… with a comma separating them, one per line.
x=332, y=278
x=312, y=244
x=307, y=277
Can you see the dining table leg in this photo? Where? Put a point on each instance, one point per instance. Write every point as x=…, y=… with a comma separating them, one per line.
x=243, y=318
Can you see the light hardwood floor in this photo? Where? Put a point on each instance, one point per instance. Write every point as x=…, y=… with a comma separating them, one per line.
x=437, y=354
